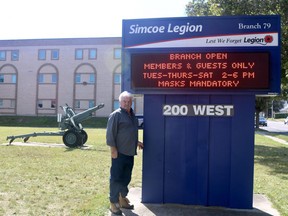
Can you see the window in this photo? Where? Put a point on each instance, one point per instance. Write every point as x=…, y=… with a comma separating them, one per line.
x=53, y=104
x=12, y=103
x=91, y=103
x=41, y=78
x=77, y=104
x=79, y=54
x=54, y=78
x=6, y=103
x=40, y=104
x=92, y=53
x=54, y=54
x=92, y=78
x=78, y=78
x=1, y=78
x=13, y=78
x=117, y=78
x=2, y=55
x=42, y=54
x=116, y=104
x=117, y=53
x=14, y=55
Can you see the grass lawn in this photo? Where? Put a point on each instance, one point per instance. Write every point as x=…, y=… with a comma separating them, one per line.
x=56, y=181
x=63, y=181
x=271, y=171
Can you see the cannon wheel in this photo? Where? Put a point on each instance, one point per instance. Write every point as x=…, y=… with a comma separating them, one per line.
x=84, y=136
x=72, y=138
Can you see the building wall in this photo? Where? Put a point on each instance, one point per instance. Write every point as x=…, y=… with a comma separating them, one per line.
x=33, y=86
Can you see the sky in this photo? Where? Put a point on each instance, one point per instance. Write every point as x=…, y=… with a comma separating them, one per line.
x=38, y=19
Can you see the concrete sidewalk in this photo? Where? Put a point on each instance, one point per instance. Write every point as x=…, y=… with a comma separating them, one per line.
x=272, y=137
x=261, y=207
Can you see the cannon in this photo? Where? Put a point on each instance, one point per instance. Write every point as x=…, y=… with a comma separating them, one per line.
x=71, y=129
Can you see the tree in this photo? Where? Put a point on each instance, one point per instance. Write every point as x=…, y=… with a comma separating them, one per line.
x=250, y=7
x=259, y=105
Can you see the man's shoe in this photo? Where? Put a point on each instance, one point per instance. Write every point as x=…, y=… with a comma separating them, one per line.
x=114, y=209
x=124, y=203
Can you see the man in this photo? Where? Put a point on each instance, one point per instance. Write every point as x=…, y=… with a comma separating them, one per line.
x=122, y=137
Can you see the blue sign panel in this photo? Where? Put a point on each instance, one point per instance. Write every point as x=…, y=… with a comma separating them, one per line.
x=193, y=55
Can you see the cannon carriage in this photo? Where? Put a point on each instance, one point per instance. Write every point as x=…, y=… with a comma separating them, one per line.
x=70, y=125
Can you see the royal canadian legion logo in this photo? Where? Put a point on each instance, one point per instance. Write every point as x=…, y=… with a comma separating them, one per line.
x=259, y=40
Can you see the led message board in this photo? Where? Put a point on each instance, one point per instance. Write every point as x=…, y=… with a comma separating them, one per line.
x=215, y=70
x=191, y=55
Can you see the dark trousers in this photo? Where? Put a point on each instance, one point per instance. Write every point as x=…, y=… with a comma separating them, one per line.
x=120, y=176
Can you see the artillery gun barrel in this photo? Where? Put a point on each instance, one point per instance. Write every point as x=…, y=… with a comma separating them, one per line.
x=82, y=116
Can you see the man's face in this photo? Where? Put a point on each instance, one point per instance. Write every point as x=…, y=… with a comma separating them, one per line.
x=126, y=103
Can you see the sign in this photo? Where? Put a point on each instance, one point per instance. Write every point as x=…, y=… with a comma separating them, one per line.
x=209, y=70
x=198, y=110
x=211, y=55
x=209, y=31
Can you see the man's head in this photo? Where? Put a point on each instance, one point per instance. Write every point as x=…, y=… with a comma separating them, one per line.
x=125, y=99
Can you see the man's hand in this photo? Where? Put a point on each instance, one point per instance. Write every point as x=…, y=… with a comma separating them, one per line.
x=114, y=152
x=140, y=145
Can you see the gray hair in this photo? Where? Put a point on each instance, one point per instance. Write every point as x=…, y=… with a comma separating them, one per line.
x=125, y=94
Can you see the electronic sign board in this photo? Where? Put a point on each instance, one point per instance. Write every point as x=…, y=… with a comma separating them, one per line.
x=209, y=70
x=202, y=54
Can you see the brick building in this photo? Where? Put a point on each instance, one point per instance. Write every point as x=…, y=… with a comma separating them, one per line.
x=39, y=75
